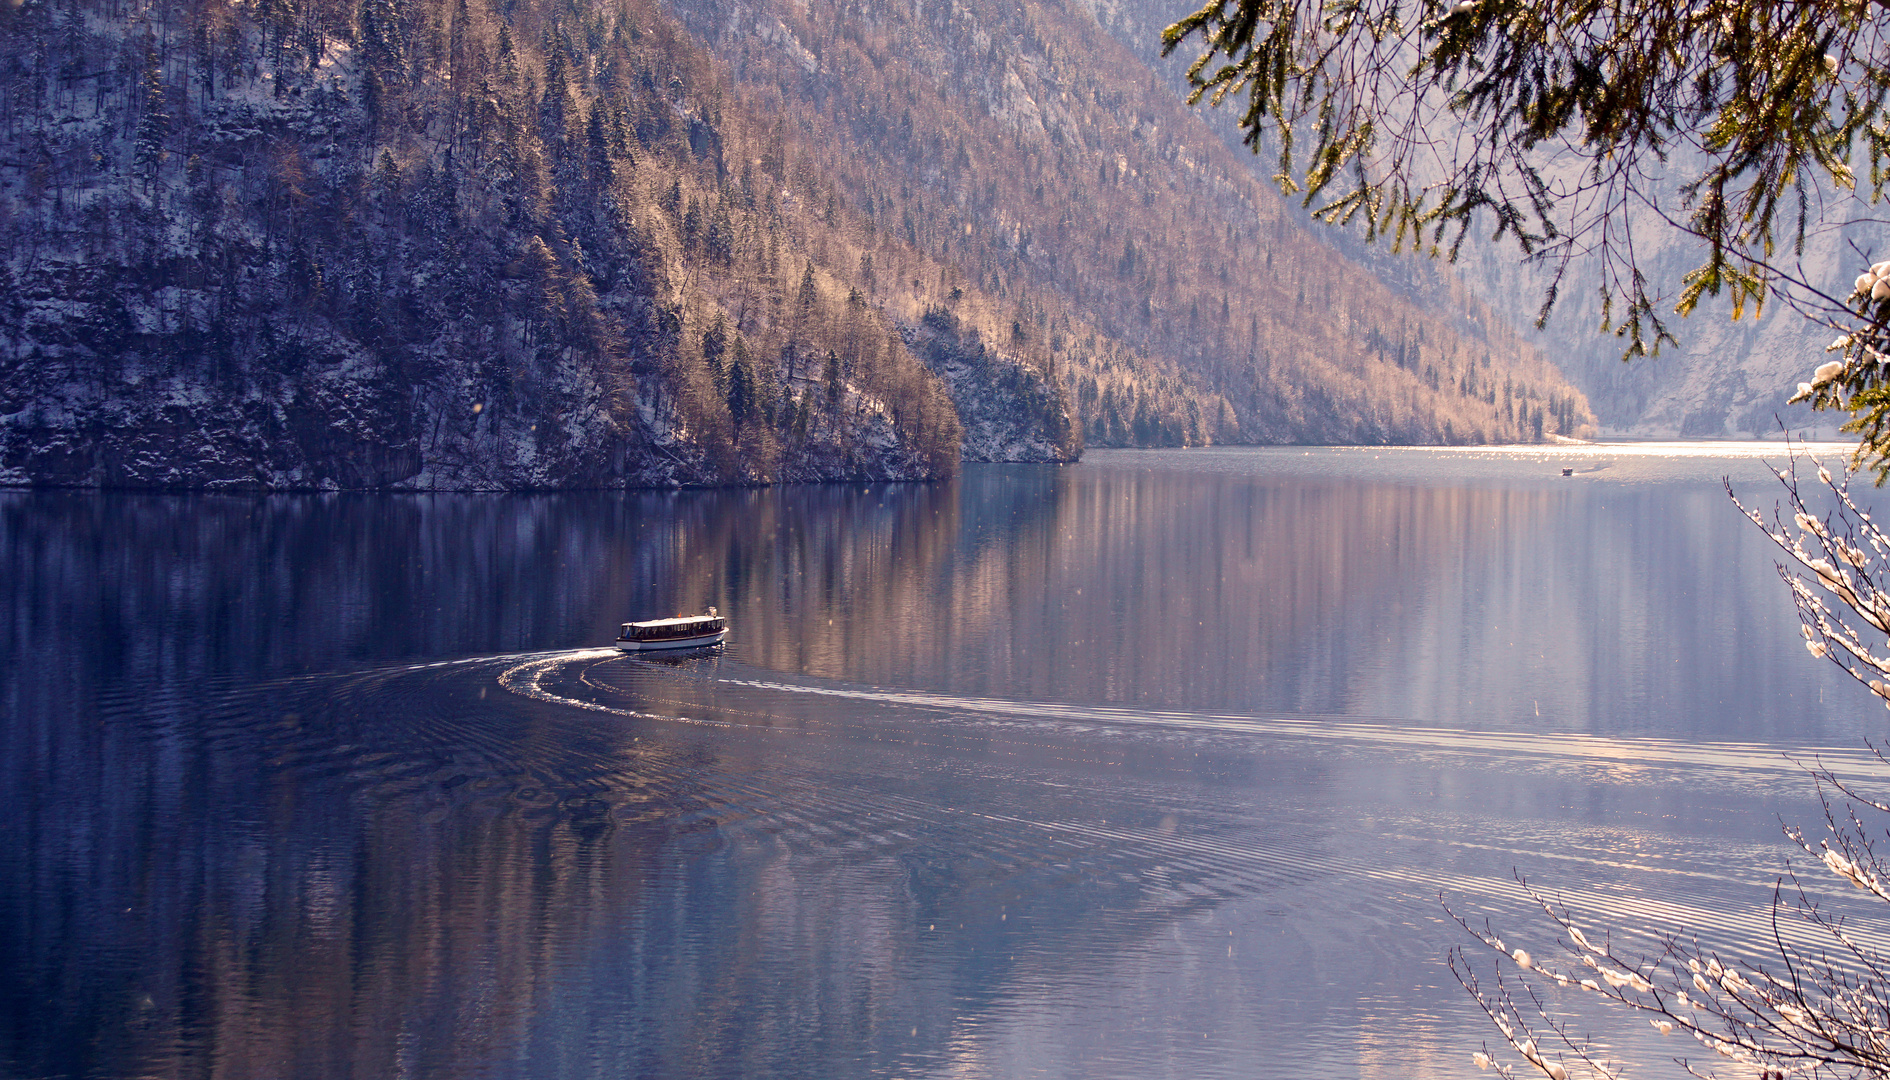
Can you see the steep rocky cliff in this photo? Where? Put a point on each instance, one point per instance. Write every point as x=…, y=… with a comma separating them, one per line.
x=1010, y=410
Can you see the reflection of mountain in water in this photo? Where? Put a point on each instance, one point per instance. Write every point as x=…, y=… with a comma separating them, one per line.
x=275, y=814
x=404, y=871
x=1454, y=603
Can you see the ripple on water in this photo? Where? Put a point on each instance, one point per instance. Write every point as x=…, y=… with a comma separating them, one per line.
x=735, y=839
x=1674, y=890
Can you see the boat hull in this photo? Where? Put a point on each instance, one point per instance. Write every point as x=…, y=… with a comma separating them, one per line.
x=696, y=642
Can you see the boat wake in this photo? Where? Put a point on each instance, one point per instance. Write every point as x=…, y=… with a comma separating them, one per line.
x=1718, y=891
x=600, y=680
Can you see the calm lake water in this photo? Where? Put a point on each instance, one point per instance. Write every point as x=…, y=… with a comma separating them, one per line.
x=1154, y=766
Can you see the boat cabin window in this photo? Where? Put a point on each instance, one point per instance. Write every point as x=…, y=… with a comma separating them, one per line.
x=666, y=629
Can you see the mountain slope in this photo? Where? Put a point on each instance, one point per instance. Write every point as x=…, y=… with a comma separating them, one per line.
x=1724, y=378
x=553, y=243
x=416, y=246
x=1178, y=297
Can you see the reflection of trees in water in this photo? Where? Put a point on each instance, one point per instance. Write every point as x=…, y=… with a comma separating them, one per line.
x=381, y=872
x=174, y=588
x=225, y=866
x=307, y=878
x=1157, y=588
x=1603, y=609
x=167, y=586
x=814, y=574
x=211, y=865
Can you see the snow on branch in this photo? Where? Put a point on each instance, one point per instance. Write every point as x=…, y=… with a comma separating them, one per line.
x=1835, y=568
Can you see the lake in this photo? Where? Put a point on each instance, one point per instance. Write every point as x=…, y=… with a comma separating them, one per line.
x=1160, y=765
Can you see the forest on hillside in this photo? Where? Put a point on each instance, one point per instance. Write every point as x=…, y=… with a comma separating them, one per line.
x=1181, y=299
x=553, y=243
x=1723, y=377
x=328, y=244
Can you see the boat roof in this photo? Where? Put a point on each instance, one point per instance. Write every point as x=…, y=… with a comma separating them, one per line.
x=677, y=621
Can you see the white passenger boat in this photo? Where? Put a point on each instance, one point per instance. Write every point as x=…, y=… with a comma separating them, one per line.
x=683, y=632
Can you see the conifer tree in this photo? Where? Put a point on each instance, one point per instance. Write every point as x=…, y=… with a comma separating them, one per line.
x=555, y=111
x=508, y=57
x=714, y=342
x=807, y=294
x=692, y=225
x=381, y=43
x=597, y=147
x=1417, y=121
x=154, y=124
x=742, y=390
x=459, y=49
x=719, y=236
x=387, y=181
x=373, y=101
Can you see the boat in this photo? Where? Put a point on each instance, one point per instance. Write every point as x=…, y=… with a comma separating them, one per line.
x=681, y=632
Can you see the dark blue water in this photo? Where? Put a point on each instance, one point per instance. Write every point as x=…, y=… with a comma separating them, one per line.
x=1153, y=766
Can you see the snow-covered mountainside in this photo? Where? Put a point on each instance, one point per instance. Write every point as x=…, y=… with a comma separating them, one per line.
x=1177, y=295
x=570, y=243
x=1724, y=378
x=292, y=247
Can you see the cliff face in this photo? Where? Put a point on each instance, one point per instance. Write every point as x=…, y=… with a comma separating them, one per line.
x=1010, y=410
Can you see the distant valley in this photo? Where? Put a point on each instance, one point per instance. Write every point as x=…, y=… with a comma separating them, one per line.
x=1722, y=379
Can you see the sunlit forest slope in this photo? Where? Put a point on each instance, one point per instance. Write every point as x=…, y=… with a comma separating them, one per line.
x=552, y=243
x=1179, y=298
x=1723, y=377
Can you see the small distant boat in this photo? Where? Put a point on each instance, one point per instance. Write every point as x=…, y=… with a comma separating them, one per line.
x=682, y=632
x=1568, y=472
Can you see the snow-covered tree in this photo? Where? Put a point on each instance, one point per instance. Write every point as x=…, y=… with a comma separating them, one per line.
x=154, y=122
